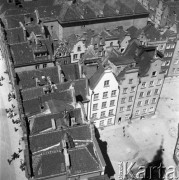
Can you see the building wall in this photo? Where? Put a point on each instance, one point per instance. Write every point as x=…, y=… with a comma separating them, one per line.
x=168, y=54
x=100, y=89
x=54, y=28
x=149, y=108
x=111, y=43
x=139, y=23
x=33, y=67
x=174, y=64
x=76, y=54
x=123, y=110
x=124, y=44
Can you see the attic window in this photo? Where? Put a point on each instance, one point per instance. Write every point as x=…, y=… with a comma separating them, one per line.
x=79, y=48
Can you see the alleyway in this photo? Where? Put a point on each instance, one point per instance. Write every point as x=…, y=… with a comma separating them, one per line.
x=9, y=138
x=143, y=138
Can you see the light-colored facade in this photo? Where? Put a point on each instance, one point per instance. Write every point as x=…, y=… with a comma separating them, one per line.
x=78, y=51
x=148, y=91
x=103, y=100
x=128, y=88
x=174, y=64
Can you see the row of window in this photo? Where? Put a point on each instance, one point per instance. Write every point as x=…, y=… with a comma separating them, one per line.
x=141, y=95
x=75, y=56
x=109, y=122
x=168, y=54
x=103, y=114
x=154, y=100
x=105, y=94
x=166, y=63
x=144, y=111
x=174, y=70
x=170, y=46
x=151, y=83
x=38, y=66
x=132, y=89
x=104, y=105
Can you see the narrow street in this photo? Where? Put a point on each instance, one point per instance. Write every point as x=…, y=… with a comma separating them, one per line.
x=8, y=136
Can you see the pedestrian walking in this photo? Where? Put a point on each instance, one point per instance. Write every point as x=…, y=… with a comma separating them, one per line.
x=19, y=150
x=13, y=106
x=9, y=161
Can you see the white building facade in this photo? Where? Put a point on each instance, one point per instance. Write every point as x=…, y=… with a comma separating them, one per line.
x=103, y=92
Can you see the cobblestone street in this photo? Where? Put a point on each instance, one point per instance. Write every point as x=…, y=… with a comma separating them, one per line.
x=9, y=138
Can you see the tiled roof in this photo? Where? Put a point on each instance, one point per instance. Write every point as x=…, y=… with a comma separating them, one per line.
x=96, y=77
x=49, y=12
x=27, y=79
x=151, y=32
x=81, y=90
x=42, y=141
x=51, y=163
x=13, y=20
x=42, y=123
x=118, y=59
x=32, y=106
x=134, y=32
x=89, y=70
x=15, y=35
x=70, y=71
x=23, y=53
x=56, y=102
x=32, y=93
x=144, y=60
x=82, y=161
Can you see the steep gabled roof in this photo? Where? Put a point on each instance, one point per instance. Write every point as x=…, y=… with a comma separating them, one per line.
x=93, y=81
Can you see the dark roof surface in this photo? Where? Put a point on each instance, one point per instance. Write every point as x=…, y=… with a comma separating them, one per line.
x=15, y=35
x=57, y=101
x=42, y=123
x=50, y=163
x=23, y=53
x=42, y=141
x=96, y=77
x=82, y=161
x=70, y=71
x=27, y=79
x=118, y=59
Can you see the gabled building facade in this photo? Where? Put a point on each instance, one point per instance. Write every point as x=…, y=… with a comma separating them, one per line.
x=128, y=82
x=151, y=78
x=103, y=95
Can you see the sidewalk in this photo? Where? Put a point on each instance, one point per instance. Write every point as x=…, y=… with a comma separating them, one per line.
x=14, y=136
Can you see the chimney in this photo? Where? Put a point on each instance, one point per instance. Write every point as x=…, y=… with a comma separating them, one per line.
x=73, y=121
x=67, y=158
x=24, y=30
x=72, y=89
x=53, y=124
x=37, y=16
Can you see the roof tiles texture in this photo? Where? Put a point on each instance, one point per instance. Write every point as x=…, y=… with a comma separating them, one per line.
x=27, y=79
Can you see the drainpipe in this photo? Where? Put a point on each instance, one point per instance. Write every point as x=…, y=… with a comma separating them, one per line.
x=135, y=98
x=91, y=104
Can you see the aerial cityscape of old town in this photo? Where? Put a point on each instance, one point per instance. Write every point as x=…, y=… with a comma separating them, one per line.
x=89, y=89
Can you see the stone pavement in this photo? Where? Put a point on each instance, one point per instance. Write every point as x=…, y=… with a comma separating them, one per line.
x=9, y=138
